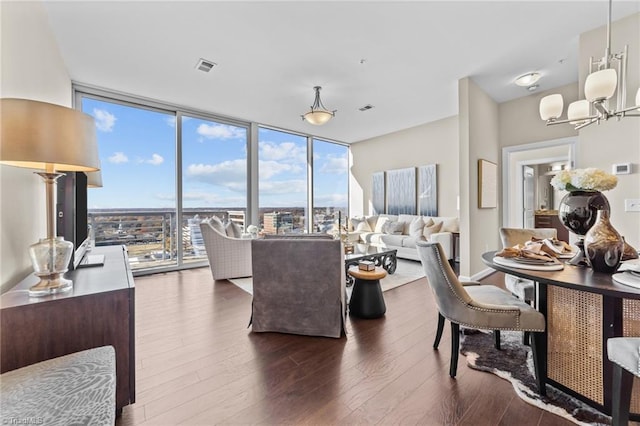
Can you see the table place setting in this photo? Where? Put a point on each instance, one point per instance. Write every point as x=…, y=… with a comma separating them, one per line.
x=628, y=273
x=537, y=254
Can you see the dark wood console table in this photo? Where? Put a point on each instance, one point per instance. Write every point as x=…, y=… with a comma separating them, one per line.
x=98, y=311
x=583, y=309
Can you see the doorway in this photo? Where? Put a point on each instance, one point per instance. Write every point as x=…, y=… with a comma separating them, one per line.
x=520, y=198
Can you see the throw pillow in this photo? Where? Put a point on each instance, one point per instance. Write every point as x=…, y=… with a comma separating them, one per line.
x=394, y=228
x=371, y=221
x=416, y=226
x=216, y=224
x=429, y=230
x=233, y=230
x=450, y=224
x=360, y=225
x=428, y=221
x=380, y=224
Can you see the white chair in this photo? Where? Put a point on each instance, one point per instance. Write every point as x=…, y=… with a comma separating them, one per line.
x=228, y=257
x=624, y=353
x=522, y=288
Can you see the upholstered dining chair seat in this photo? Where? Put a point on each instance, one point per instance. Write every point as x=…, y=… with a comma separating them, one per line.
x=624, y=352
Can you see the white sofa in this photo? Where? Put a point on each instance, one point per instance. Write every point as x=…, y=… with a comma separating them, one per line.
x=402, y=231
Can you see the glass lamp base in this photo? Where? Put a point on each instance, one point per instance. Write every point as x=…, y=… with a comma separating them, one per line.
x=50, y=284
x=50, y=258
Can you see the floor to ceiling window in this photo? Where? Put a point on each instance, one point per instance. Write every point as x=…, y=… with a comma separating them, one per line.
x=330, y=184
x=214, y=177
x=282, y=182
x=136, y=205
x=165, y=168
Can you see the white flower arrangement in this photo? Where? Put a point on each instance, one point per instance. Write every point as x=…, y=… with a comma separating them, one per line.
x=252, y=229
x=590, y=179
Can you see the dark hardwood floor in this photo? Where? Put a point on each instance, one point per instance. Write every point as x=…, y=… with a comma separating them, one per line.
x=197, y=363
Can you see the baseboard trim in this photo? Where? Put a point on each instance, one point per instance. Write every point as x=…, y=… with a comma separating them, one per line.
x=477, y=277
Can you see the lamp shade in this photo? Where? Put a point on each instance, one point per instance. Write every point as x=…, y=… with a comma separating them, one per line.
x=551, y=107
x=600, y=85
x=40, y=135
x=318, y=117
x=94, y=179
x=638, y=98
x=578, y=111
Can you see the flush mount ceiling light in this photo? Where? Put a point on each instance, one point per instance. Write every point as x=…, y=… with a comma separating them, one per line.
x=603, y=82
x=528, y=79
x=318, y=115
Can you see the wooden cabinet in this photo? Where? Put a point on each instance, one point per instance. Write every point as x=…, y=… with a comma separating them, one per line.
x=552, y=221
x=98, y=311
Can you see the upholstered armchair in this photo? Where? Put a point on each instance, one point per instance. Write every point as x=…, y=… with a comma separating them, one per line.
x=484, y=307
x=522, y=288
x=299, y=286
x=229, y=257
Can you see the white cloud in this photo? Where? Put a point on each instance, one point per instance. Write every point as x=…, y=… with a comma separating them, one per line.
x=118, y=157
x=155, y=160
x=220, y=131
x=283, y=151
x=336, y=200
x=335, y=165
x=170, y=120
x=282, y=187
x=231, y=174
x=104, y=120
x=269, y=169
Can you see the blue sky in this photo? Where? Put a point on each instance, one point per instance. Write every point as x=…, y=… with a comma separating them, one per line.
x=138, y=163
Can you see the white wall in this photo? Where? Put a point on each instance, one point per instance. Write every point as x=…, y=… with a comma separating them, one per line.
x=615, y=141
x=32, y=68
x=479, y=129
x=432, y=143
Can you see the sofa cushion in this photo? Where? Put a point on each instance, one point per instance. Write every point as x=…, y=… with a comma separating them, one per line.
x=360, y=224
x=391, y=240
x=450, y=224
x=372, y=220
x=393, y=228
x=233, y=230
x=410, y=242
x=217, y=224
x=381, y=224
x=406, y=219
x=428, y=230
x=416, y=227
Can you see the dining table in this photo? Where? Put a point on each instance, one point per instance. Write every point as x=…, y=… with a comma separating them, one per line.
x=583, y=308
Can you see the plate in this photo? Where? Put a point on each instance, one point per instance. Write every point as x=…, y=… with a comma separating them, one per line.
x=530, y=261
x=566, y=255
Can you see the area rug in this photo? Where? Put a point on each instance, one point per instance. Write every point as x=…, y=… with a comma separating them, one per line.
x=515, y=363
x=406, y=272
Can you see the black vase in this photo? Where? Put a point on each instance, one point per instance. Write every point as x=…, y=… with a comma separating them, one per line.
x=578, y=212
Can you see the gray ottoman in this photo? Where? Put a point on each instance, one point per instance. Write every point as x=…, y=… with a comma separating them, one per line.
x=75, y=389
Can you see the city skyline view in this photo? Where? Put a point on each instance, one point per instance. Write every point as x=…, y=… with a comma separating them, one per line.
x=137, y=149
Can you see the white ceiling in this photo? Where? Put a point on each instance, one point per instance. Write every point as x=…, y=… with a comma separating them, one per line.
x=271, y=54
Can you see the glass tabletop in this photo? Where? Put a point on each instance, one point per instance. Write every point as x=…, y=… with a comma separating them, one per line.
x=363, y=250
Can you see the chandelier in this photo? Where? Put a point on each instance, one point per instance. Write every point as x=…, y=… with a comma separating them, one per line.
x=607, y=77
x=318, y=114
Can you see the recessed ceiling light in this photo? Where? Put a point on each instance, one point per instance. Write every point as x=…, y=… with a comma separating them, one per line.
x=205, y=65
x=366, y=107
x=528, y=79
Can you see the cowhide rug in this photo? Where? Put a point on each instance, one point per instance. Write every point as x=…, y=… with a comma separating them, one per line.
x=515, y=363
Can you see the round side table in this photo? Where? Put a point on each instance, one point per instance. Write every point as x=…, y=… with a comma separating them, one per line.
x=367, y=300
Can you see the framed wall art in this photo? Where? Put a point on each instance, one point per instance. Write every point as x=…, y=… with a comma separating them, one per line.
x=401, y=191
x=427, y=190
x=378, y=193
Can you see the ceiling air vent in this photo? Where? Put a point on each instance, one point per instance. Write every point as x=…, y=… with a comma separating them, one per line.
x=366, y=107
x=205, y=65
